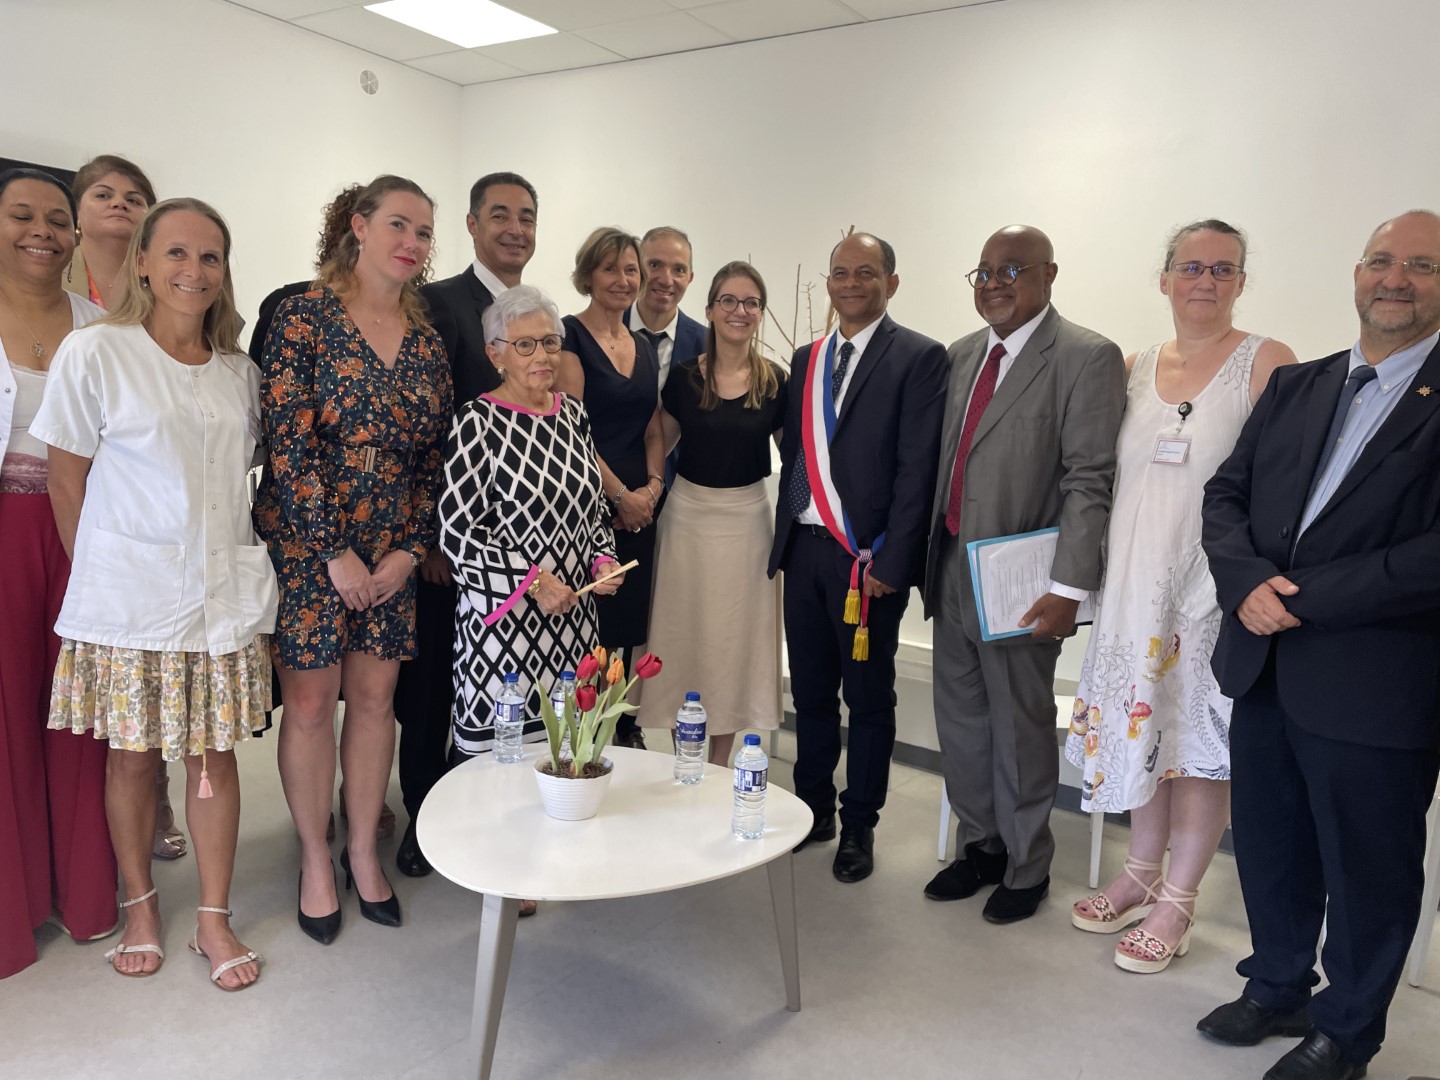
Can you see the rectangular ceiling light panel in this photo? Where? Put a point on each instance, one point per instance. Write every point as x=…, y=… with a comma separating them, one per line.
x=468, y=23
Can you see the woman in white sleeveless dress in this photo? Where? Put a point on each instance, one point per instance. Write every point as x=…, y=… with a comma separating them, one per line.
x=1150, y=727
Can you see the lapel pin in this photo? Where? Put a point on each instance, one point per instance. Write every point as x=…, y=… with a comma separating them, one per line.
x=1424, y=391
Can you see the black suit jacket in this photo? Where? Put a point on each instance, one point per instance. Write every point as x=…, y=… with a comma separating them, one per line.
x=455, y=305
x=1364, y=665
x=268, y=307
x=884, y=452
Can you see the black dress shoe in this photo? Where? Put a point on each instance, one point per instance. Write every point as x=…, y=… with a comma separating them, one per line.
x=855, y=860
x=821, y=831
x=963, y=878
x=1245, y=1022
x=1317, y=1058
x=409, y=859
x=1012, y=905
x=323, y=929
x=384, y=912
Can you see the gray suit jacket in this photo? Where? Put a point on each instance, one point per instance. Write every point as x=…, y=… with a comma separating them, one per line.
x=1043, y=455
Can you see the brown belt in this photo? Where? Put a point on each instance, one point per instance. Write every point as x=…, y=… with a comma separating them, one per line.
x=371, y=459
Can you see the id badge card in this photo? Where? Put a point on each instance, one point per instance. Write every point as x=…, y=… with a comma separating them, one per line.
x=1171, y=450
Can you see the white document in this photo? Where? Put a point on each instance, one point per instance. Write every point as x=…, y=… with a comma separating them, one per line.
x=1009, y=573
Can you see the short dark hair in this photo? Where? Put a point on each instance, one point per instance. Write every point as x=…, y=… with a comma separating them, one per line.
x=1205, y=225
x=9, y=176
x=489, y=180
x=660, y=231
x=887, y=253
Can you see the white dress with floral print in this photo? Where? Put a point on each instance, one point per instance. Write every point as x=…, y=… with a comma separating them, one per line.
x=1147, y=708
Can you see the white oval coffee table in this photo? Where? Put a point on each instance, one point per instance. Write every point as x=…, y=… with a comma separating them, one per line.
x=482, y=826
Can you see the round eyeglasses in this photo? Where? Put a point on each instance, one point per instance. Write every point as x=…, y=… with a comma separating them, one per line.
x=1006, y=275
x=1221, y=271
x=525, y=346
x=751, y=304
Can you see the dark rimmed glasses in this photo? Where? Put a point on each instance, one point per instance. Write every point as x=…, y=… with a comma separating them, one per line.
x=751, y=305
x=525, y=346
x=1006, y=274
x=1220, y=271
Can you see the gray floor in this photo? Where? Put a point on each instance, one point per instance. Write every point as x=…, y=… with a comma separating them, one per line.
x=679, y=985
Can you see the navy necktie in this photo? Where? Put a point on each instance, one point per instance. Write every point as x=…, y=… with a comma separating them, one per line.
x=797, y=496
x=1353, y=385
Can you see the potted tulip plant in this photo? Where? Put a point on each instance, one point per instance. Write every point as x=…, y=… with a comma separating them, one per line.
x=574, y=777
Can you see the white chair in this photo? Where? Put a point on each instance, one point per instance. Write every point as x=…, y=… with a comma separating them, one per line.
x=1428, y=899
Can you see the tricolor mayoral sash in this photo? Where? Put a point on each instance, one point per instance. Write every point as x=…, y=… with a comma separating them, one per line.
x=817, y=429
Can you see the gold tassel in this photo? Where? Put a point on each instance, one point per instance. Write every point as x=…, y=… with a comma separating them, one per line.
x=852, y=607
x=861, y=649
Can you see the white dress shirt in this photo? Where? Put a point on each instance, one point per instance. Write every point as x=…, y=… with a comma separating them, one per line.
x=811, y=516
x=1014, y=346
x=664, y=339
x=488, y=279
x=165, y=555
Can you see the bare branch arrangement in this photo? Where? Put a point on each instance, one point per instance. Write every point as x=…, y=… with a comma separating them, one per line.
x=804, y=293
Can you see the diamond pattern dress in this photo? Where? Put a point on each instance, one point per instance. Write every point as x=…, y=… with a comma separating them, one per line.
x=522, y=490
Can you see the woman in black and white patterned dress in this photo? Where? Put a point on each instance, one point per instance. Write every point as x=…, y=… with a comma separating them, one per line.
x=523, y=522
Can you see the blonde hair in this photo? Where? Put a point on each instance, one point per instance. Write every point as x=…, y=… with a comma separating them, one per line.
x=606, y=242
x=764, y=384
x=136, y=303
x=338, y=269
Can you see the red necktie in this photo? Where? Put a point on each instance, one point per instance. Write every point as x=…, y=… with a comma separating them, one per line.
x=979, y=400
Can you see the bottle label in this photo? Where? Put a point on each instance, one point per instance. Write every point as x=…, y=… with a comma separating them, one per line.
x=687, y=731
x=751, y=781
x=504, y=711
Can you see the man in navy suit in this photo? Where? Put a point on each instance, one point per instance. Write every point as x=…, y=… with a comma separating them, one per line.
x=858, y=461
x=668, y=262
x=501, y=223
x=1323, y=532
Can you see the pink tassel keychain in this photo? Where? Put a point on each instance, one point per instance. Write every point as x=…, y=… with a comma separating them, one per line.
x=204, y=791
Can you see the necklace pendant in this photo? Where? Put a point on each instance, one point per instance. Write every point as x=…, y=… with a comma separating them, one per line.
x=38, y=351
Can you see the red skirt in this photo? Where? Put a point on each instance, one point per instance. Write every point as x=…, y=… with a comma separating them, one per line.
x=54, y=841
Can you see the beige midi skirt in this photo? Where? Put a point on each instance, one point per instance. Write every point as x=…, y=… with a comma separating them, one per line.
x=715, y=617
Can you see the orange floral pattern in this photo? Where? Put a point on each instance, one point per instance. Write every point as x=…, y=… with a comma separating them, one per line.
x=355, y=458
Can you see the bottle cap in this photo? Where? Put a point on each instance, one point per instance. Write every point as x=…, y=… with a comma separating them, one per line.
x=692, y=695
x=752, y=740
x=510, y=677
x=566, y=675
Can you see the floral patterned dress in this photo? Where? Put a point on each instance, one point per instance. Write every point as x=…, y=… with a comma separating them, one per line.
x=355, y=454
x=1147, y=708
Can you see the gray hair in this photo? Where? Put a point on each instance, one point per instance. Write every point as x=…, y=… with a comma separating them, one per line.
x=515, y=304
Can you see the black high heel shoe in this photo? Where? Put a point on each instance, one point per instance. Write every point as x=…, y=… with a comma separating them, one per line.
x=384, y=912
x=323, y=929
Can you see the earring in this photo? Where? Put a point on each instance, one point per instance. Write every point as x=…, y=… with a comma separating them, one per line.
x=145, y=282
x=501, y=372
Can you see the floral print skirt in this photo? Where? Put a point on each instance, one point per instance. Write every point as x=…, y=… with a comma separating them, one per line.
x=176, y=702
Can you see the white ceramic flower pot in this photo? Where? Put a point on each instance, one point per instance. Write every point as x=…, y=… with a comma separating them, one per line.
x=567, y=799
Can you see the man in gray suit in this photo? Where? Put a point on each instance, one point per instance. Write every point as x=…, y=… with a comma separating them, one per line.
x=1033, y=409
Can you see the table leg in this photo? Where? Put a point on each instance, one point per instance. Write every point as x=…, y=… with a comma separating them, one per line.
x=492, y=969
x=782, y=896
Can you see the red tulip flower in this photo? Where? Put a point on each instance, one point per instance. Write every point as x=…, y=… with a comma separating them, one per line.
x=587, y=669
x=648, y=666
x=585, y=697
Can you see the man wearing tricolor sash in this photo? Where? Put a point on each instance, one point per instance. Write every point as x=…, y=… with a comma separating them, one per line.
x=858, y=462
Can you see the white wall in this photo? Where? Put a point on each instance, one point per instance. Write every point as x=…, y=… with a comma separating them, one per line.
x=261, y=119
x=1105, y=122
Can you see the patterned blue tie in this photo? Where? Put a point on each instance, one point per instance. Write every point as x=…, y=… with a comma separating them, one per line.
x=797, y=497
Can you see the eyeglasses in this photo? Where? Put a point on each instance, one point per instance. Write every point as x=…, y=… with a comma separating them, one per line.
x=1221, y=271
x=751, y=304
x=525, y=346
x=1006, y=274
x=1382, y=264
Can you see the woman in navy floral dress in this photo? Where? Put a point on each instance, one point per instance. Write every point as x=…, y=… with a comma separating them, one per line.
x=356, y=398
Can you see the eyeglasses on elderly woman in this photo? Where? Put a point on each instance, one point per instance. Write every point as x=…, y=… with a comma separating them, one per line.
x=525, y=346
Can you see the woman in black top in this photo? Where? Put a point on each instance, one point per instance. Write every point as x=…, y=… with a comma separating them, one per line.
x=616, y=373
x=716, y=613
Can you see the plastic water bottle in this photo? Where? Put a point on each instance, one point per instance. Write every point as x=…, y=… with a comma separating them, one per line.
x=752, y=774
x=564, y=691
x=509, y=721
x=690, y=740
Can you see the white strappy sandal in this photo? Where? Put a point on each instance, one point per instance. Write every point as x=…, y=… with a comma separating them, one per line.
x=1156, y=954
x=121, y=950
x=1111, y=921
x=249, y=957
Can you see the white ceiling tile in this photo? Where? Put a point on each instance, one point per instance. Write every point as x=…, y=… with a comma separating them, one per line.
x=375, y=33
x=553, y=52
x=746, y=20
x=289, y=9
x=655, y=35
x=576, y=14
x=888, y=9
x=465, y=66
